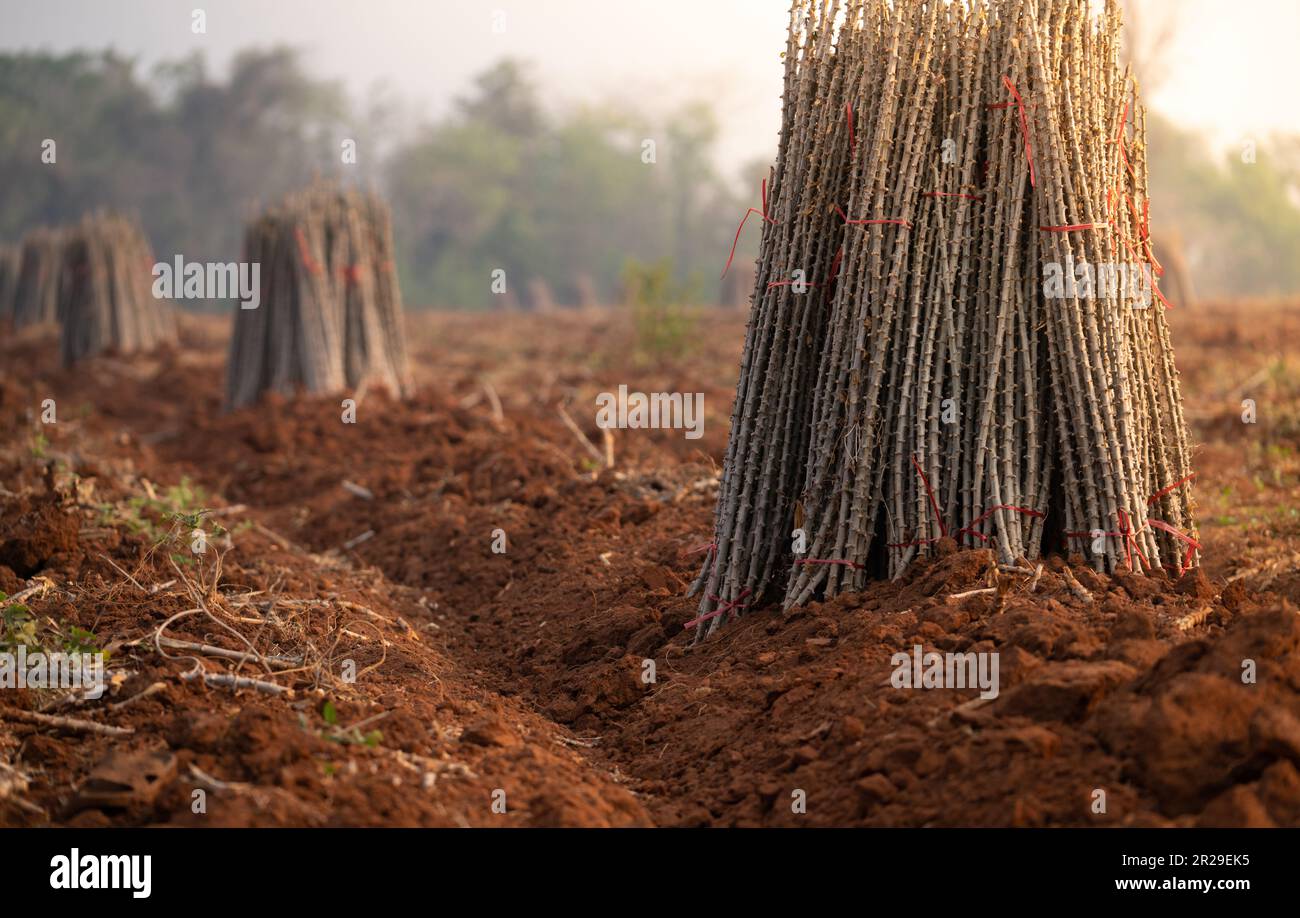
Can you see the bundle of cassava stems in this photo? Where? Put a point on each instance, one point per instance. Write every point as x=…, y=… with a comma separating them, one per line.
x=331, y=307
x=93, y=279
x=106, y=300
x=956, y=331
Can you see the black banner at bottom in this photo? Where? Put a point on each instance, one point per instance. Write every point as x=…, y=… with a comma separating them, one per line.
x=336, y=867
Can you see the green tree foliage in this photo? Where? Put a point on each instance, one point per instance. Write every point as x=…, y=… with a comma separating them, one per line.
x=191, y=156
x=95, y=110
x=505, y=184
x=1239, y=221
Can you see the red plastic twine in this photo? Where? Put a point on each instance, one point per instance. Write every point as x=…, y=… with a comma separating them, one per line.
x=828, y=283
x=1143, y=224
x=1155, y=288
x=762, y=213
x=1125, y=532
x=712, y=549
x=1163, y=491
x=830, y=277
x=834, y=274
x=737, y=603
x=1146, y=237
x=843, y=216
x=969, y=529
x=1151, y=263
x=1130, y=543
x=1024, y=125
x=835, y=267
x=308, y=262
x=934, y=504
x=1119, y=139
x=1074, y=227
x=1192, y=544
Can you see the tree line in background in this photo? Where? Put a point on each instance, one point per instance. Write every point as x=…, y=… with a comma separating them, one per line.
x=561, y=201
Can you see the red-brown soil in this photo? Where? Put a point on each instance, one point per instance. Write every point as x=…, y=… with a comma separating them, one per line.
x=521, y=672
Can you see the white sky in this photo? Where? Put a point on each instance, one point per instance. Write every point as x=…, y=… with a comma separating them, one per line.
x=1234, y=68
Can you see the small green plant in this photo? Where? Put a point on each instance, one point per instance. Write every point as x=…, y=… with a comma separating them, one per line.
x=370, y=739
x=18, y=625
x=349, y=737
x=179, y=510
x=662, y=325
x=40, y=446
x=183, y=503
x=80, y=641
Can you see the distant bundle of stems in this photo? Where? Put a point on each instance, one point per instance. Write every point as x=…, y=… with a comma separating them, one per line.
x=9, y=262
x=956, y=331
x=33, y=292
x=105, y=290
x=330, y=313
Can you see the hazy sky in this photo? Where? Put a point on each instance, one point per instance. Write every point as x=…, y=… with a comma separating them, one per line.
x=1233, y=70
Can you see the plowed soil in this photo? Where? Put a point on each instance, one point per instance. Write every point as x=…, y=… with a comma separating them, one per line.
x=514, y=612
